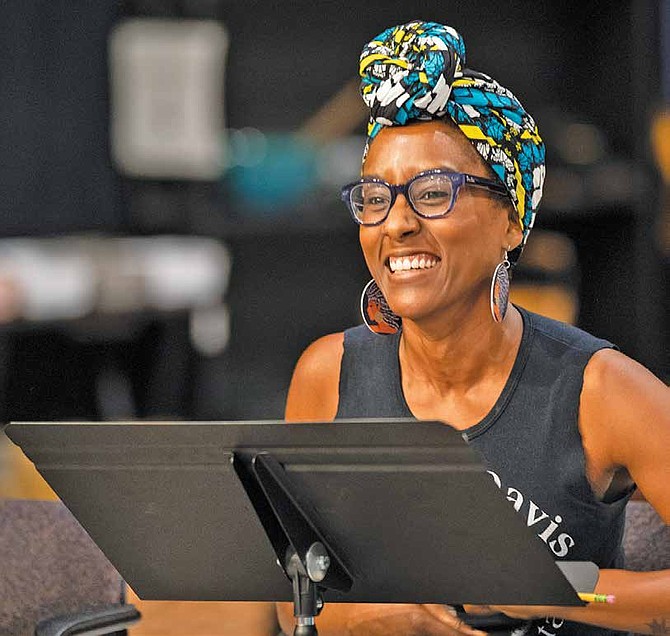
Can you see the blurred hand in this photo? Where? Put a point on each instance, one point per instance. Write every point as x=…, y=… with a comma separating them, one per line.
x=526, y=612
x=408, y=620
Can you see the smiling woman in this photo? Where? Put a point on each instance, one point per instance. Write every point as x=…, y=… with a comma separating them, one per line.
x=568, y=427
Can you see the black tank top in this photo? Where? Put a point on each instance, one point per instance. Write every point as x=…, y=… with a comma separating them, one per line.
x=530, y=441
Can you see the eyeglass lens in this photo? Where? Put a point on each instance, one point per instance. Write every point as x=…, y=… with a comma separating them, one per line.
x=430, y=195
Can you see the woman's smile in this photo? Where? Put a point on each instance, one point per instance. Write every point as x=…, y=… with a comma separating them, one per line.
x=412, y=262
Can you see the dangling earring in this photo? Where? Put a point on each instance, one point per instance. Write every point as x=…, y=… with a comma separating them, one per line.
x=377, y=315
x=500, y=290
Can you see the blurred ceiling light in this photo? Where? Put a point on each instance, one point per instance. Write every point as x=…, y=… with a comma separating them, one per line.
x=614, y=183
x=550, y=252
x=660, y=139
x=563, y=189
x=581, y=144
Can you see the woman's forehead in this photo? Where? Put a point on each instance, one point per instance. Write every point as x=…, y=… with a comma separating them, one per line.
x=400, y=152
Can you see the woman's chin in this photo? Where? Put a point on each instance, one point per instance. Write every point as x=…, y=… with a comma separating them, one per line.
x=424, y=310
x=412, y=310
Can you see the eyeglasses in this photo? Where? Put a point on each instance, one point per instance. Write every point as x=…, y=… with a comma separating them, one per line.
x=431, y=194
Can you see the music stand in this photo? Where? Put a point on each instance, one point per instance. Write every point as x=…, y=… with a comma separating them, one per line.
x=390, y=511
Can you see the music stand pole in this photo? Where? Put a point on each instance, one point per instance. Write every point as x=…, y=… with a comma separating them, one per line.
x=308, y=559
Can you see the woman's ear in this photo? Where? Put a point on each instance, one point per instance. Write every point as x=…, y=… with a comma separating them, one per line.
x=514, y=234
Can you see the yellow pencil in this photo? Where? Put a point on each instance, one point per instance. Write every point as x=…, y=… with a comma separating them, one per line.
x=597, y=598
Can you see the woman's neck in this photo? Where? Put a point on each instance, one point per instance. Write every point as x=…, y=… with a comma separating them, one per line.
x=459, y=351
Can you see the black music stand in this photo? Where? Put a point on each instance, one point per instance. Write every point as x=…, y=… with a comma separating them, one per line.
x=354, y=511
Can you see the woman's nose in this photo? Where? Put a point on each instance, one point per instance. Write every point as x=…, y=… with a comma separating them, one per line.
x=401, y=220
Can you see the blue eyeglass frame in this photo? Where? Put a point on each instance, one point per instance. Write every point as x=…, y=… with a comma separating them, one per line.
x=458, y=179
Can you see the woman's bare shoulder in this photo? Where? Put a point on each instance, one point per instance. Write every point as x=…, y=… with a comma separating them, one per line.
x=626, y=410
x=614, y=381
x=314, y=391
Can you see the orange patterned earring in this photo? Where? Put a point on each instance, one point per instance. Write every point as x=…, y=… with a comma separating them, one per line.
x=377, y=315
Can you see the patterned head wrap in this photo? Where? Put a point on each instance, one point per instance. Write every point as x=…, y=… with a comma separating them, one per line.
x=416, y=71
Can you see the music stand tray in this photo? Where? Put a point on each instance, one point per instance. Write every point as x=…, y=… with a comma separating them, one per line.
x=402, y=511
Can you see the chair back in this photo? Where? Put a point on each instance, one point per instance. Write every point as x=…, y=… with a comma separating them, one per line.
x=646, y=538
x=49, y=566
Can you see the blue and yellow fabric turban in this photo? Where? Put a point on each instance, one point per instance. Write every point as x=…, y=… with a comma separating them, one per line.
x=416, y=71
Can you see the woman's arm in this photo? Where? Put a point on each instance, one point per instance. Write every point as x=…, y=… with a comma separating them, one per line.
x=314, y=391
x=625, y=424
x=313, y=396
x=642, y=604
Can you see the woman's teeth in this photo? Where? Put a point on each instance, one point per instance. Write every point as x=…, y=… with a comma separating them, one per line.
x=406, y=263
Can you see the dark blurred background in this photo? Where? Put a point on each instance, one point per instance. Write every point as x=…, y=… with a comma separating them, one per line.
x=161, y=164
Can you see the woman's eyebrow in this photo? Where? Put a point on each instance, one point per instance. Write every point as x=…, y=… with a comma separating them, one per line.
x=414, y=174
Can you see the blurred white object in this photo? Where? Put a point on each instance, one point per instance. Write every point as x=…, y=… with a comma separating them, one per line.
x=167, y=84
x=210, y=330
x=69, y=278
x=182, y=271
x=54, y=282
